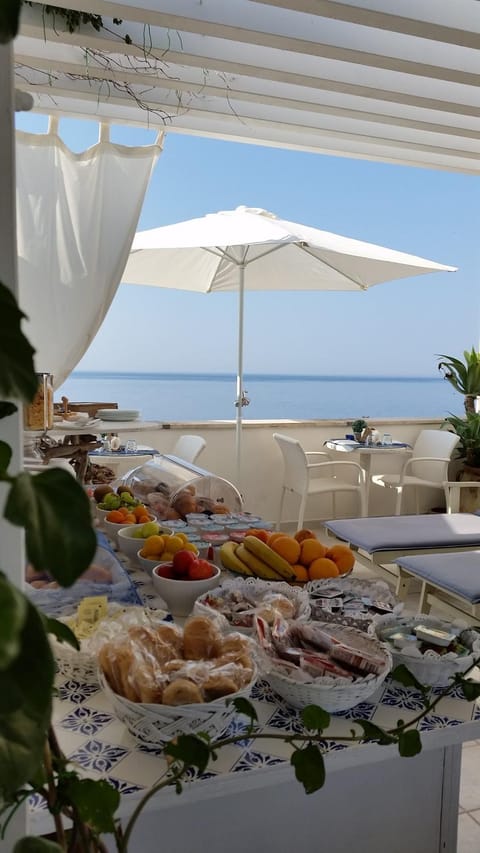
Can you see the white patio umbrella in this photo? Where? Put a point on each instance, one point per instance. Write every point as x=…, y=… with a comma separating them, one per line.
x=252, y=249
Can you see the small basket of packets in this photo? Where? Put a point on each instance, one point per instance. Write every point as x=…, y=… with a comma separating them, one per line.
x=351, y=601
x=94, y=622
x=166, y=681
x=433, y=650
x=239, y=600
x=324, y=664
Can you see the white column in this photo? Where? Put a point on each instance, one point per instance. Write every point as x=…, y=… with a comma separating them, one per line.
x=11, y=538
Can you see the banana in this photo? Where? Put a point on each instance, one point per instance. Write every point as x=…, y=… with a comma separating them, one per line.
x=270, y=557
x=257, y=566
x=231, y=561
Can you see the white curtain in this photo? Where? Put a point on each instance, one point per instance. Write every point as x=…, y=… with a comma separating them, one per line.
x=76, y=219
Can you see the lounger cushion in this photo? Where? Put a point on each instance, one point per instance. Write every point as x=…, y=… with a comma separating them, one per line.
x=409, y=532
x=456, y=573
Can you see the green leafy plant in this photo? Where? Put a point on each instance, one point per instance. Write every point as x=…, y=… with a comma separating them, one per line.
x=359, y=425
x=468, y=428
x=464, y=376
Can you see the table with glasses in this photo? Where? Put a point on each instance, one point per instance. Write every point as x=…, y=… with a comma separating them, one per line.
x=366, y=452
x=373, y=800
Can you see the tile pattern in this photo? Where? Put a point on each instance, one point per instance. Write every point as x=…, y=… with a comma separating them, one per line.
x=101, y=747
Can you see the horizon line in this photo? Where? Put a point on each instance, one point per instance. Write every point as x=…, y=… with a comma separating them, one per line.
x=214, y=375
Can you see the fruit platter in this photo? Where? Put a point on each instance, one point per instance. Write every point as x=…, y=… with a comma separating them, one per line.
x=276, y=556
x=239, y=600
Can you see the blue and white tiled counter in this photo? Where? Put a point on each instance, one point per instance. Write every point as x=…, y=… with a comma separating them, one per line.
x=248, y=800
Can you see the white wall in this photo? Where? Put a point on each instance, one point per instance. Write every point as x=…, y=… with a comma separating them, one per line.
x=262, y=461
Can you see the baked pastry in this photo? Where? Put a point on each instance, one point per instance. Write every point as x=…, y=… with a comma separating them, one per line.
x=201, y=639
x=150, y=644
x=149, y=684
x=281, y=604
x=217, y=686
x=234, y=643
x=182, y=692
x=172, y=635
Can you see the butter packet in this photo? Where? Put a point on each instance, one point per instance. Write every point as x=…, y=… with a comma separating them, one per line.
x=90, y=612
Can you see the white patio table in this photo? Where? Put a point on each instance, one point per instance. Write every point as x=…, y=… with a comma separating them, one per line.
x=373, y=800
x=366, y=453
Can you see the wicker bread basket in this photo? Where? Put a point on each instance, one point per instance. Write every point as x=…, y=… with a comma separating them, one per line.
x=255, y=589
x=374, y=589
x=430, y=668
x=330, y=693
x=155, y=725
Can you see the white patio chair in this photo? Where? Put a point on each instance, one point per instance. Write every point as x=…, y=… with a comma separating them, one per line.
x=427, y=467
x=189, y=447
x=298, y=479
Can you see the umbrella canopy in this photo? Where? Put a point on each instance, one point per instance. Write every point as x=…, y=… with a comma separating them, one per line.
x=252, y=249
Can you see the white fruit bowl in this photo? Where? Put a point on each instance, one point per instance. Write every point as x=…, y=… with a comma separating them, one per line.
x=112, y=527
x=129, y=544
x=181, y=595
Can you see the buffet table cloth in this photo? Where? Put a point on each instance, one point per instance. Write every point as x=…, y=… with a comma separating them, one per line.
x=101, y=747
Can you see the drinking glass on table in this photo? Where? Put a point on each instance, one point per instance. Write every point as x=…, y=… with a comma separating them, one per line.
x=131, y=446
x=387, y=439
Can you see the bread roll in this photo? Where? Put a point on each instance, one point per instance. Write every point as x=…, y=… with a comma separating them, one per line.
x=201, y=639
x=182, y=692
x=217, y=686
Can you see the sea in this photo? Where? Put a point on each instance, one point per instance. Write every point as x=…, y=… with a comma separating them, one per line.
x=202, y=396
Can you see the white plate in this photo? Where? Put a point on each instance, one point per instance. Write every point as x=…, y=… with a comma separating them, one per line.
x=118, y=414
x=75, y=426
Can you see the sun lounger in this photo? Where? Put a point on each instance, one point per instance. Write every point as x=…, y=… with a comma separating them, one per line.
x=386, y=540
x=451, y=581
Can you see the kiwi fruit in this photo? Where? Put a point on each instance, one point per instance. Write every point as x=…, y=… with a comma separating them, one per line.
x=100, y=492
x=122, y=489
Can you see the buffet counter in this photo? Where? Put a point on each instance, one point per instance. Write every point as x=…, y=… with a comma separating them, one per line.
x=372, y=801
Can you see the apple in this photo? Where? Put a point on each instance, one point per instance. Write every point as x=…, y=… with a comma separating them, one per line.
x=201, y=570
x=183, y=560
x=165, y=571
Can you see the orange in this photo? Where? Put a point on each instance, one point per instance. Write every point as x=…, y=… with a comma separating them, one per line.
x=322, y=568
x=143, y=519
x=311, y=549
x=115, y=516
x=301, y=572
x=287, y=547
x=139, y=511
x=304, y=533
x=124, y=511
x=129, y=518
x=261, y=534
x=153, y=546
x=273, y=536
x=342, y=556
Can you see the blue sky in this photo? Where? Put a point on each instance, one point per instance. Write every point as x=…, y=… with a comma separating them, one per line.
x=393, y=329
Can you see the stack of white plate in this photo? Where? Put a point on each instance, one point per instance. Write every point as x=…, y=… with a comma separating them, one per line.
x=118, y=414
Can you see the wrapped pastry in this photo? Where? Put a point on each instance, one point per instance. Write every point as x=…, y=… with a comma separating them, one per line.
x=218, y=686
x=201, y=639
x=149, y=640
x=234, y=643
x=182, y=692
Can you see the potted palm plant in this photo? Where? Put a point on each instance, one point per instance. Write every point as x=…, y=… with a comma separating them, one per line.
x=464, y=376
x=468, y=429
x=358, y=427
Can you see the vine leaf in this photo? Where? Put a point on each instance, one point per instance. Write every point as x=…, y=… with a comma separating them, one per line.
x=409, y=743
x=62, y=632
x=13, y=608
x=309, y=767
x=470, y=689
x=96, y=801
x=5, y=457
x=9, y=18
x=407, y=678
x=191, y=750
x=373, y=732
x=23, y=729
x=243, y=706
x=315, y=718
x=17, y=377
x=7, y=409
x=55, y=512
x=35, y=844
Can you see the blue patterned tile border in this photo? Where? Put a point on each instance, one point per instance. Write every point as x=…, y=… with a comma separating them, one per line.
x=86, y=721
x=435, y=721
x=287, y=720
x=36, y=802
x=252, y=760
x=76, y=691
x=124, y=787
x=262, y=691
x=402, y=697
x=99, y=756
x=362, y=711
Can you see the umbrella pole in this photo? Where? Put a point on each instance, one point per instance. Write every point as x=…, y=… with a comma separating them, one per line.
x=238, y=429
